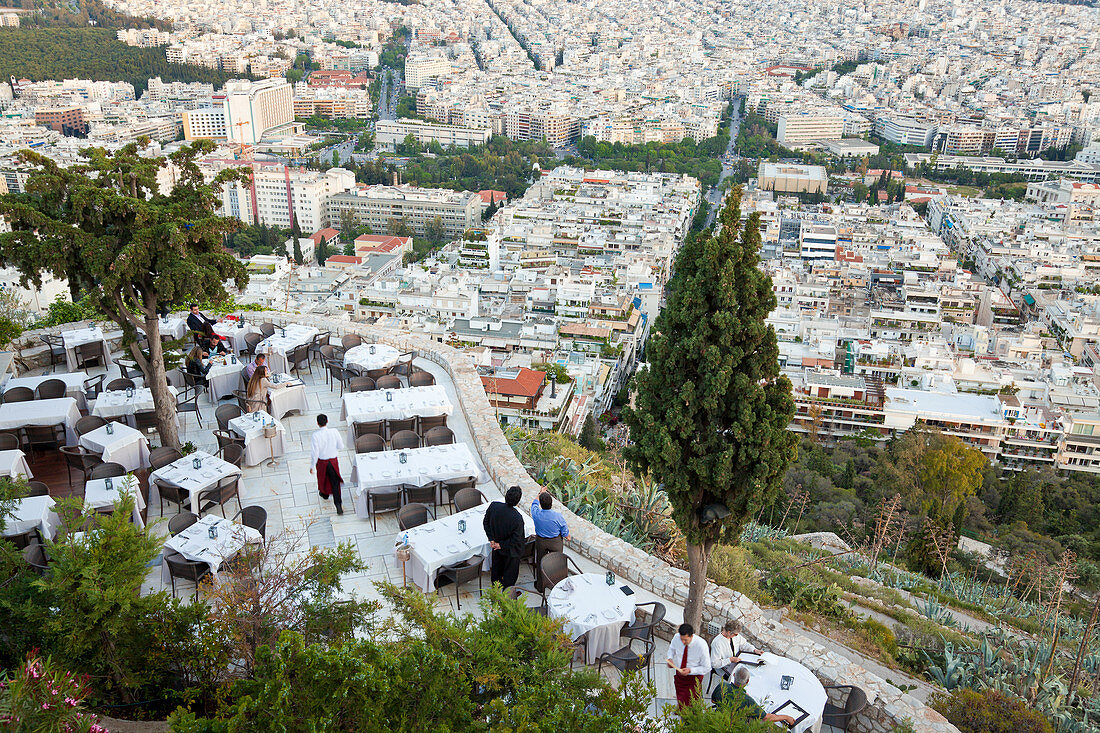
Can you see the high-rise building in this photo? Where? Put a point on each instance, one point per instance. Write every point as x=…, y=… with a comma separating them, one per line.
x=381, y=206
x=421, y=69
x=244, y=113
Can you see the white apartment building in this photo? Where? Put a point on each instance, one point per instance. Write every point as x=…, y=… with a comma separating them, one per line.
x=1064, y=192
x=800, y=129
x=789, y=178
x=421, y=69
x=277, y=194
x=378, y=206
x=905, y=131
x=817, y=242
x=244, y=114
x=389, y=133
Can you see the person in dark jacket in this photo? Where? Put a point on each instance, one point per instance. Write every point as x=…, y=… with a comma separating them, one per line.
x=504, y=527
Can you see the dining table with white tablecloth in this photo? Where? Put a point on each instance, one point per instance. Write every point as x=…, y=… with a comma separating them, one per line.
x=80, y=336
x=384, y=469
x=41, y=413
x=195, y=479
x=123, y=403
x=196, y=542
x=98, y=495
x=225, y=376
x=367, y=357
x=13, y=463
x=588, y=605
x=258, y=445
x=74, y=384
x=287, y=394
x=235, y=332
x=174, y=327
x=442, y=542
x=394, y=404
x=119, y=443
x=279, y=345
x=805, y=691
x=31, y=512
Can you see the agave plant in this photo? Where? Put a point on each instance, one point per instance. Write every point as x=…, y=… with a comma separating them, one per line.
x=936, y=611
x=955, y=671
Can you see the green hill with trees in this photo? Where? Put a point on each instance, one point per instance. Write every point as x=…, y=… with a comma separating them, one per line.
x=90, y=53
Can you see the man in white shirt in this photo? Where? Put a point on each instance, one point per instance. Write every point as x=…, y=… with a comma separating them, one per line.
x=325, y=445
x=689, y=658
x=726, y=649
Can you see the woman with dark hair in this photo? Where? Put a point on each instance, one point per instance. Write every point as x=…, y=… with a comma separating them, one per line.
x=196, y=363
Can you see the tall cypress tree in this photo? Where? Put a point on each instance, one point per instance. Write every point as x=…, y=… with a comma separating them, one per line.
x=296, y=234
x=711, y=411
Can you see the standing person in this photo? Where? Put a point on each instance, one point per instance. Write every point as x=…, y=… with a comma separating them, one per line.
x=325, y=445
x=548, y=522
x=197, y=322
x=504, y=528
x=726, y=649
x=689, y=658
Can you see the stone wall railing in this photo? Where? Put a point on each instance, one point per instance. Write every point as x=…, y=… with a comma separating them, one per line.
x=888, y=706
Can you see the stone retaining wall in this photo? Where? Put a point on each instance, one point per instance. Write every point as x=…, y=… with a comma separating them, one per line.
x=888, y=706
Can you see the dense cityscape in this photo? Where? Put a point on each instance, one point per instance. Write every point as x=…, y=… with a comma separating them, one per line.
x=686, y=366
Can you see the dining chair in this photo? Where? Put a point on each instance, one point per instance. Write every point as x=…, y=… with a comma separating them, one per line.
x=232, y=453
x=361, y=384
x=267, y=328
x=161, y=457
x=225, y=413
x=44, y=436
x=180, y=522
x=51, y=389
x=57, y=348
x=368, y=428
x=228, y=488
x=553, y=569
x=841, y=717
x=350, y=341
x=90, y=354
x=459, y=574
x=93, y=386
x=37, y=488
x=18, y=394
x=109, y=469
x=79, y=458
x=9, y=441
x=254, y=517
x=427, y=495
x=118, y=384
x=467, y=499
x=412, y=515
x=382, y=501
x=397, y=425
x=184, y=569
x=227, y=437
x=421, y=379
x=627, y=660
x=388, y=381
x=439, y=436
x=404, y=440
x=452, y=486
x=187, y=400
x=298, y=359
x=88, y=423
x=251, y=341
x=171, y=493
x=369, y=444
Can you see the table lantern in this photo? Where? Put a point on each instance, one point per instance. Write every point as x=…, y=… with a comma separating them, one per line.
x=233, y=358
x=402, y=457
x=197, y=463
x=462, y=525
x=389, y=396
x=110, y=428
x=108, y=483
x=129, y=392
x=213, y=531
x=371, y=349
x=240, y=322
x=282, y=331
x=256, y=416
x=610, y=578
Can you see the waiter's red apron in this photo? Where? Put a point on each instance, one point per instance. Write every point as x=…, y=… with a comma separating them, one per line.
x=687, y=685
x=323, y=484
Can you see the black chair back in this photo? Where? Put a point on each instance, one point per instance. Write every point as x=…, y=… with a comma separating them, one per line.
x=467, y=499
x=51, y=389
x=110, y=469
x=116, y=385
x=404, y=440
x=412, y=515
x=369, y=444
x=439, y=436
x=161, y=457
x=88, y=423
x=18, y=394
x=254, y=517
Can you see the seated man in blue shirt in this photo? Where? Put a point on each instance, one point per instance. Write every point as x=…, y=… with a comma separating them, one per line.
x=548, y=523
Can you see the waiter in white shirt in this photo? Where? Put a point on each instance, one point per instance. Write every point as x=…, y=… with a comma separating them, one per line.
x=325, y=445
x=689, y=658
x=726, y=649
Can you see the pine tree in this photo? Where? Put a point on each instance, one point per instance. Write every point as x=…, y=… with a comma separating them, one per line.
x=711, y=411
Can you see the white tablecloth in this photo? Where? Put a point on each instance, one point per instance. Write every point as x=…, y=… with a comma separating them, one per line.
x=360, y=357
x=195, y=542
x=279, y=345
x=72, y=339
x=587, y=603
x=287, y=395
x=439, y=543
x=224, y=377
x=98, y=496
x=74, y=385
x=257, y=448
x=372, y=406
x=183, y=473
x=117, y=404
x=806, y=690
x=228, y=330
x=16, y=415
x=124, y=445
x=173, y=327
x=30, y=512
x=14, y=464
x=384, y=469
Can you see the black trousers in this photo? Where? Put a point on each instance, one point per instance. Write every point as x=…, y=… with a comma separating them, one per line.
x=505, y=568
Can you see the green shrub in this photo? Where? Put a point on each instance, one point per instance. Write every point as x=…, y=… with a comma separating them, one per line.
x=989, y=711
x=731, y=567
x=800, y=593
x=881, y=635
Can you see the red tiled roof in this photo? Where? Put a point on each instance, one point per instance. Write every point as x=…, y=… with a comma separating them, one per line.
x=488, y=196
x=380, y=242
x=526, y=384
x=344, y=260
x=328, y=233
